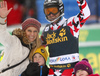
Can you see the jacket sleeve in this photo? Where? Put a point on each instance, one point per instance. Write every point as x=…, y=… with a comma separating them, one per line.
x=77, y=21
x=24, y=73
x=32, y=70
x=43, y=37
x=45, y=71
x=6, y=39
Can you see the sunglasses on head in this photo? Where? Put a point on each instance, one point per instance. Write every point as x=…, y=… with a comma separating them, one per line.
x=51, y=10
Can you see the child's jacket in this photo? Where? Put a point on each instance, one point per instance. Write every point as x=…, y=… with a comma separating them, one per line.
x=34, y=70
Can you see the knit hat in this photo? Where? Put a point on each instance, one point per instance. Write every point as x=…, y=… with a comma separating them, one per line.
x=83, y=65
x=41, y=50
x=31, y=22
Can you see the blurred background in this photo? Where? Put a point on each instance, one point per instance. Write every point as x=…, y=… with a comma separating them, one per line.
x=89, y=39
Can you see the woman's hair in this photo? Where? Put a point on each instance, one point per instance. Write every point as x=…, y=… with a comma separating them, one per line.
x=36, y=45
x=22, y=36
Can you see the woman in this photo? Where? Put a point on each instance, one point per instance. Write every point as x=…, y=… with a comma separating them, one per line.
x=17, y=46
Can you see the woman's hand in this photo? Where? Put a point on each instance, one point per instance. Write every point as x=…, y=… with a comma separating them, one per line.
x=3, y=9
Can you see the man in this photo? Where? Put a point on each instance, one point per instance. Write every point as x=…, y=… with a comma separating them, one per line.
x=61, y=36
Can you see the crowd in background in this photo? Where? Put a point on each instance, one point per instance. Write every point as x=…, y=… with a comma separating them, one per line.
x=94, y=6
x=23, y=9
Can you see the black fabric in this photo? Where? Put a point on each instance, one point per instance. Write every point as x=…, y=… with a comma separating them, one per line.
x=81, y=1
x=45, y=70
x=26, y=45
x=34, y=70
x=63, y=38
x=66, y=66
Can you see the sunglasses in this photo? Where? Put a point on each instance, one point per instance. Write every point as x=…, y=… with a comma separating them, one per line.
x=51, y=10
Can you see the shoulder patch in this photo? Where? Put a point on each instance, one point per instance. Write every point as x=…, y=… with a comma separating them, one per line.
x=42, y=51
x=46, y=28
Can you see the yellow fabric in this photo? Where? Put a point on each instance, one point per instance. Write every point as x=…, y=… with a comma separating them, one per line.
x=41, y=50
x=1, y=57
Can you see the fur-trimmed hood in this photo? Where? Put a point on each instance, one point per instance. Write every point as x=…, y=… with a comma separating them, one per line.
x=22, y=36
x=25, y=42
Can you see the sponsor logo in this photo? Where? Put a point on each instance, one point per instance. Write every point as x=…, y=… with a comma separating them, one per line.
x=52, y=38
x=61, y=66
x=64, y=59
x=68, y=65
x=42, y=51
x=60, y=59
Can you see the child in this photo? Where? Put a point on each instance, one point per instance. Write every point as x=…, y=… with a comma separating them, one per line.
x=83, y=68
x=38, y=65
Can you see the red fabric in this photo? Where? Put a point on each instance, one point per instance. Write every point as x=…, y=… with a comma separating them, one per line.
x=31, y=22
x=51, y=72
x=15, y=16
x=84, y=5
x=68, y=72
x=94, y=75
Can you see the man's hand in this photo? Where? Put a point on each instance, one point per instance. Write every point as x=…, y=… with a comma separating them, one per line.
x=3, y=9
x=81, y=1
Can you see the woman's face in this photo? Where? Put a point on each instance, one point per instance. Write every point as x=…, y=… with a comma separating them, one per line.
x=31, y=33
x=82, y=73
x=39, y=59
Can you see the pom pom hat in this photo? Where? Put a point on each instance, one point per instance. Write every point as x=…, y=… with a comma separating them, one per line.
x=84, y=65
x=41, y=50
x=31, y=22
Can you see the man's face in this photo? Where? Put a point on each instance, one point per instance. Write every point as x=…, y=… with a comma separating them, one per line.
x=52, y=13
x=52, y=17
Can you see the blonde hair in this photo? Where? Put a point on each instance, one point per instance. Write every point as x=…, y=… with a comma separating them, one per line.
x=22, y=36
x=37, y=44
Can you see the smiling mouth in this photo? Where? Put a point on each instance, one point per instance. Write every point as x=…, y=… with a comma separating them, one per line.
x=80, y=74
x=31, y=37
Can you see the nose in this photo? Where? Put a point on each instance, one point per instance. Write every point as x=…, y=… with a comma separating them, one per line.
x=32, y=33
x=51, y=14
x=37, y=59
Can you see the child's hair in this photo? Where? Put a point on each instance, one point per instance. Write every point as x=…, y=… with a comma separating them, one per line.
x=42, y=51
x=83, y=65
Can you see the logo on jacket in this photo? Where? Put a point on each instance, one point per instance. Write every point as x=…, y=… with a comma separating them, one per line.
x=53, y=38
x=42, y=51
x=62, y=32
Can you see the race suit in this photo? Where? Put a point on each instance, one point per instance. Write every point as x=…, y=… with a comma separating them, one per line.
x=62, y=41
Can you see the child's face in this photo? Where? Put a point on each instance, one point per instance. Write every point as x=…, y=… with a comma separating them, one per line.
x=82, y=73
x=39, y=59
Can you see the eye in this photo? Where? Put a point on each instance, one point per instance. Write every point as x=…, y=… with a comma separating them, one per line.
x=34, y=57
x=40, y=56
x=78, y=71
x=29, y=31
x=35, y=31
